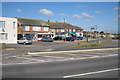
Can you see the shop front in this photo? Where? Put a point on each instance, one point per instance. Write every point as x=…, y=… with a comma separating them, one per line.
x=60, y=34
x=43, y=35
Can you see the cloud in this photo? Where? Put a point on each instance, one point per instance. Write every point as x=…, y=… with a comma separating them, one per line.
x=77, y=16
x=114, y=19
x=61, y=14
x=64, y=20
x=19, y=10
x=98, y=12
x=82, y=6
x=46, y=12
x=117, y=8
x=83, y=15
x=87, y=21
x=87, y=15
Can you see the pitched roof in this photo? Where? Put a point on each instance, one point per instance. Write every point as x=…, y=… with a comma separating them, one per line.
x=32, y=22
x=62, y=25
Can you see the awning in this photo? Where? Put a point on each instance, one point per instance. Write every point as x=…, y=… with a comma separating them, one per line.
x=74, y=33
x=67, y=32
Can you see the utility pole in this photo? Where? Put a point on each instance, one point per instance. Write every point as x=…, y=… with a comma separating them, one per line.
x=87, y=36
x=65, y=29
x=96, y=31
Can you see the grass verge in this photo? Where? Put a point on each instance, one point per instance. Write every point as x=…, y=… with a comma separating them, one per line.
x=88, y=45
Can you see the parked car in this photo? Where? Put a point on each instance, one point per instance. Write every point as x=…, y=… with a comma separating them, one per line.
x=24, y=41
x=69, y=39
x=58, y=38
x=47, y=39
x=79, y=38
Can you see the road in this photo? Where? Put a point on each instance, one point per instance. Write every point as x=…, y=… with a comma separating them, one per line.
x=62, y=69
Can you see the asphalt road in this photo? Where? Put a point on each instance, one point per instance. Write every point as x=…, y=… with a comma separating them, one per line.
x=64, y=68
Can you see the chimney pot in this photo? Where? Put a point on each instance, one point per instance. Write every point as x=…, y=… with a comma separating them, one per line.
x=48, y=20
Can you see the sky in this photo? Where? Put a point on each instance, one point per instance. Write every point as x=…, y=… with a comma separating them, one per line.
x=82, y=14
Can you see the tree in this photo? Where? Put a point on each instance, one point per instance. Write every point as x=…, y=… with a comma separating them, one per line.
x=96, y=32
x=102, y=32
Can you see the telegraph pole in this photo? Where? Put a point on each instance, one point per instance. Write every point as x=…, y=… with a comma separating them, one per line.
x=96, y=30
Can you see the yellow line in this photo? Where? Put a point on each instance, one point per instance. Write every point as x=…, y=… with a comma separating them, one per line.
x=10, y=49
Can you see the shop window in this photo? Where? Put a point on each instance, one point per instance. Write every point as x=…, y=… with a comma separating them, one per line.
x=39, y=36
x=62, y=30
x=73, y=30
x=46, y=28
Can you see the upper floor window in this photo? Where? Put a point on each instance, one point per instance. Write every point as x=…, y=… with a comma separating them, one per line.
x=2, y=24
x=14, y=25
x=62, y=30
x=46, y=28
x=73, y=30
x=36, y=28
x=26, y=28
x=55, y=30
x=66, y=29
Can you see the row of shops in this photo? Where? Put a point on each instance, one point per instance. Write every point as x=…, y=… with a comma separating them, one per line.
x=39, y=36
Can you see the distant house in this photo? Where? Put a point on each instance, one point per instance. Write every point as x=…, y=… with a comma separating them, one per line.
x=8, y=30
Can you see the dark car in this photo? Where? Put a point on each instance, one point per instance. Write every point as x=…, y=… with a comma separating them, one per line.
x=68, y=39
x=47, y=39
x=79, y=38
x=58, y=38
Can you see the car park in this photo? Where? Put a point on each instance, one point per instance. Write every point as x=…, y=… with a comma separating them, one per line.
x=69, y=39
x=24, y=41
x=47, y=39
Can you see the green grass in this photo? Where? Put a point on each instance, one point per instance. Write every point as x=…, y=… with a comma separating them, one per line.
x=88, y=45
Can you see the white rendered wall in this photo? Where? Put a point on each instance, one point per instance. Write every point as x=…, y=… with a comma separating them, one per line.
x=11, y=32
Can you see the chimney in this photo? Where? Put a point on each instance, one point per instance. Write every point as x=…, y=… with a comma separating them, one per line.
x=48, y=20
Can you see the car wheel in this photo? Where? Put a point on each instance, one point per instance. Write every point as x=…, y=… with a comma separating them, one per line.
x=24, y=43
x=18, y=42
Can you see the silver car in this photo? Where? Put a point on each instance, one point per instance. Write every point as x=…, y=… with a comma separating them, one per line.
x=24, y=41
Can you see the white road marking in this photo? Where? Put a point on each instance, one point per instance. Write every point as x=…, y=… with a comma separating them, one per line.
x=31, y=59
x=89, y=73
x=54, y=56
x=68, y=59
x=72, y=51
x=25, y=58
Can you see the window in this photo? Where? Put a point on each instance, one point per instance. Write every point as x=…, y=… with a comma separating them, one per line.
x=55, y=30
x=3, y=36
x=26, y=28
x=73, y=30
x=13, y=25
x=2, y=24
x=69, y=30
x=46, y=28
x=62, y=30
x=36, y=28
